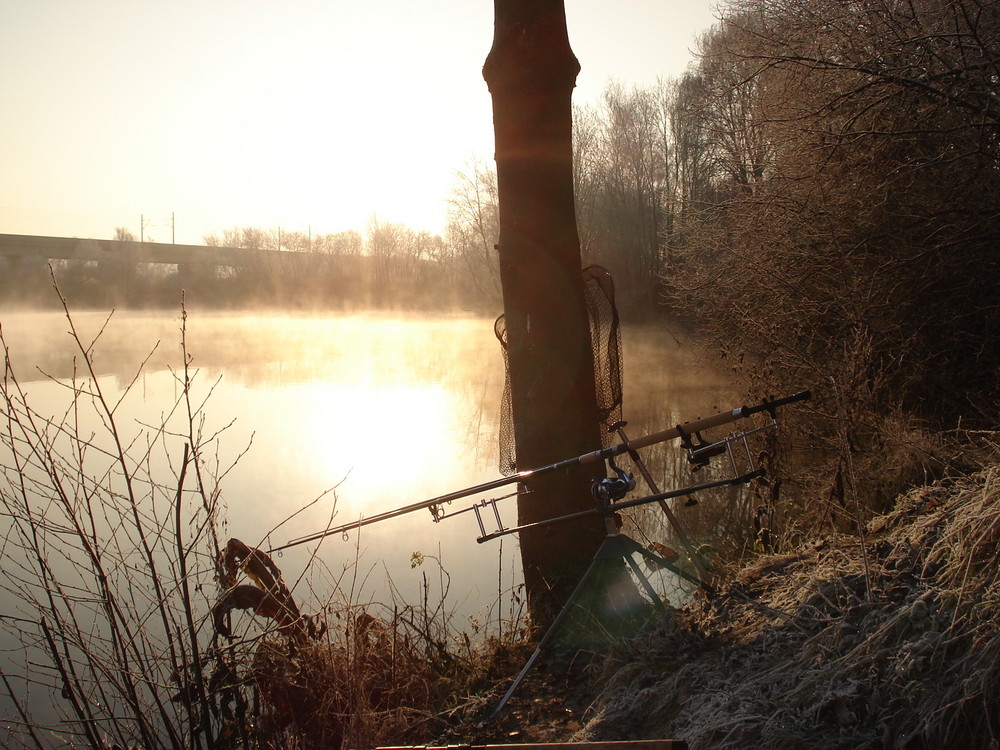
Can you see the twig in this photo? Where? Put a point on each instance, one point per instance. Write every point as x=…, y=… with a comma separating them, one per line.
x=859, y=521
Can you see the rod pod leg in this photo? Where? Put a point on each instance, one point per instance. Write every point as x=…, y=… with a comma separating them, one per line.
x=614, y=546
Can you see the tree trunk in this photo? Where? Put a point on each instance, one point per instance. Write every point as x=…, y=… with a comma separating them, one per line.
x=531, y=72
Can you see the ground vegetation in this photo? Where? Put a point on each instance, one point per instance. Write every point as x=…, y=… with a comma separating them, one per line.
x=834, y=643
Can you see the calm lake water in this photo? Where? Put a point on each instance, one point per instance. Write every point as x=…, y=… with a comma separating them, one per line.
x=321, y=419
x=387, y=410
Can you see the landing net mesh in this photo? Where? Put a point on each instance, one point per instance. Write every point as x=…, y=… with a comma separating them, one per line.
x=605, y=341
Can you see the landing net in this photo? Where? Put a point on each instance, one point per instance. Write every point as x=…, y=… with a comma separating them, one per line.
x=605, y=342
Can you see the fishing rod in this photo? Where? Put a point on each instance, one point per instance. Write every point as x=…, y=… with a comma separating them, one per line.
x=684, y=432
x=612, y=507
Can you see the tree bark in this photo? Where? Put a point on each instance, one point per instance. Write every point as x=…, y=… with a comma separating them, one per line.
x=531, y=72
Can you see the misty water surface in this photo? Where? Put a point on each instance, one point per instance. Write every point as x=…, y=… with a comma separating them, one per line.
x=387, y=410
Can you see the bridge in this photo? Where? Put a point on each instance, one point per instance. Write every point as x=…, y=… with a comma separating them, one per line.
x=131, y=251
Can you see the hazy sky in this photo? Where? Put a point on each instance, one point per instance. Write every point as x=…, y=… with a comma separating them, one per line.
x=304, y=114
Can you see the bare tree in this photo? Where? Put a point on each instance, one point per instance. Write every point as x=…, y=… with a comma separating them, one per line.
x=587, y=129
x=691, y=162
x=344, y=244
x=531, y=72
x=850, y=243
x=473, y=231
x=622, y=182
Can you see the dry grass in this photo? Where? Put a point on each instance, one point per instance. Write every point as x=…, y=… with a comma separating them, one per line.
x=816, y=649
x=353, y=676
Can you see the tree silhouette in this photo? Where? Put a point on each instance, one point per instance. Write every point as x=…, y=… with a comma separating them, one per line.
x=531, y=72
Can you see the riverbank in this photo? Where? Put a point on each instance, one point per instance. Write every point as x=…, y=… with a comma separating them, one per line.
x=890, y=639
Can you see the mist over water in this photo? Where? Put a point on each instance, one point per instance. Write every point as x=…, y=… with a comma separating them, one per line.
x=387, y=410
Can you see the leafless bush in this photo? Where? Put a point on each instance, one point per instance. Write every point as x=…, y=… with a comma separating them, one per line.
x=108, y=569
x=353, y=674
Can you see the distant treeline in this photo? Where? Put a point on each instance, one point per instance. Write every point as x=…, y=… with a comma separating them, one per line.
x=395, y=269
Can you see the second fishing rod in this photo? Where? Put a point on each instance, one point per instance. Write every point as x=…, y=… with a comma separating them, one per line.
x=679, y=431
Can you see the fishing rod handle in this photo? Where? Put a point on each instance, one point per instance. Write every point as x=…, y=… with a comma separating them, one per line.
x=707, y=423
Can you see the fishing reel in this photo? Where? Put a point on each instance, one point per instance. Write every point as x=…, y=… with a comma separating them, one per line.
x=610, y=489
x=700, y=453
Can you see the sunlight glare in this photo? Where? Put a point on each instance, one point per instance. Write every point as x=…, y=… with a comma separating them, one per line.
x=384, y=439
